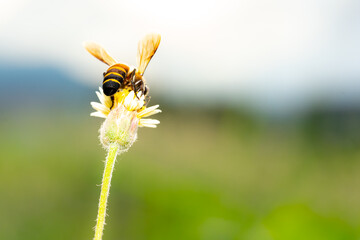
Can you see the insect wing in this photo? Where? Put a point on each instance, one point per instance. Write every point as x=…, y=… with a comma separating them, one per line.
x=146, y=50
x=99, y=52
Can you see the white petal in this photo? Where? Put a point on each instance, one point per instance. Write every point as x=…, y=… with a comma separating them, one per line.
x=108, y=101
x=100, y=107
x=98, y=114
x=101, y=91
x=132, y=103
x=139, y=94
x=149, y=121
x=139, y=104
x=149, y=111
x=147, y=125
x=101, y=97
x=128, y=100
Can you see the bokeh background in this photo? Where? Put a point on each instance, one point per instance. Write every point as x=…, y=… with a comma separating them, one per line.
x=259, y=135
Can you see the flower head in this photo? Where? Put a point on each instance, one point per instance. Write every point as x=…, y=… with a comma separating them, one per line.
x=123, y=115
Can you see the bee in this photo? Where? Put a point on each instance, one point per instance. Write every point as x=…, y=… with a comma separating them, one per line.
x=121, y=76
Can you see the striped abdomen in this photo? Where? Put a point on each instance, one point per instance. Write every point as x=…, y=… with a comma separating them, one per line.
x=114, y=78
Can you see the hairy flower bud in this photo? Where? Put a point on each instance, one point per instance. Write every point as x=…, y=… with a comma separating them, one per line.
x=119, y=127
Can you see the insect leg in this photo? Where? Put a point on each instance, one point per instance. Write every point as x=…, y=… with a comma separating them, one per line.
x=132, y=78
x=132, y=74
x=146, y=89
x=134, y=87
x=112, y=101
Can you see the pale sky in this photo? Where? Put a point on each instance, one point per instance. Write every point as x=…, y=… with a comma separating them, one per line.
x=277, y=52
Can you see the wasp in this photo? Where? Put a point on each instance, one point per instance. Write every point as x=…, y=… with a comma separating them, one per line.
x=120, y=75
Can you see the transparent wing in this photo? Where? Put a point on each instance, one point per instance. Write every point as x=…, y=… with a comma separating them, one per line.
x=146, y=50
x=99, y=52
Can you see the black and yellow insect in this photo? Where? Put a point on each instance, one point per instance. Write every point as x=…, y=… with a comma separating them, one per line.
x=120, y=75
x=114, y=78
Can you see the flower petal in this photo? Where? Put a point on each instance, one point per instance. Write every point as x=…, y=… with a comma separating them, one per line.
x=108, y=101
x=148, y=111
x=129, y=98
x=151, y=113
x=100, y=107
x=101, y=91
x=147, y=125
x=98, y=114
x=101, y=97
x=139, y=94
x=132, y=103
x=140, y=104
x=148, y=122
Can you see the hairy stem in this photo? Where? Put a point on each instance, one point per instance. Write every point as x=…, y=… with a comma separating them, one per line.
x=105, y=187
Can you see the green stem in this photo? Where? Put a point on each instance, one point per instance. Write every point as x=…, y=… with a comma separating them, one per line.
x=105, y=187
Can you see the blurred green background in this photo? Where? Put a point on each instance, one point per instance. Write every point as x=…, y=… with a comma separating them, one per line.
x=260, y=130
x=202, y=174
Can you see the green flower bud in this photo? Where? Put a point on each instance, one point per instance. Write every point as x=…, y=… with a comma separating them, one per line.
x=119, y=127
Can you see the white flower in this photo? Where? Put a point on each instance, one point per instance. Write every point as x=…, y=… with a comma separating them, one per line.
x=123, y=115
x=131, y=103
